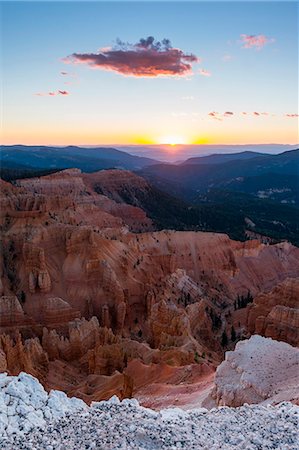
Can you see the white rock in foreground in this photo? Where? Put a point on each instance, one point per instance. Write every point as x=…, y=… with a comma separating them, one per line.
x=127, y=426
x=258, y=370
x=33, y=419
x=25, y=405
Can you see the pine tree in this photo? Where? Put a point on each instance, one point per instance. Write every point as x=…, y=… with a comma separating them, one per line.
x=233, y=334
x=224, y=340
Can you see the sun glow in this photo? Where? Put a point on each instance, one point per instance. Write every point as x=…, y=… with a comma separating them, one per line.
x=172, y=140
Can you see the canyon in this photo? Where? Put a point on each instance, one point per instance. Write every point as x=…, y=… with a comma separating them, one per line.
x=96, y=300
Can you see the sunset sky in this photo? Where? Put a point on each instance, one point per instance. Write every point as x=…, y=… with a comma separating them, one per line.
x=149, y=73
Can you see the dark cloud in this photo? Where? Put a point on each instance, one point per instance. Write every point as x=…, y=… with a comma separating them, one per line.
x=146, y=58
x=228, y=113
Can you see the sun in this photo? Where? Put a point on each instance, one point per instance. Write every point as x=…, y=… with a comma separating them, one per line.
x=172, y=140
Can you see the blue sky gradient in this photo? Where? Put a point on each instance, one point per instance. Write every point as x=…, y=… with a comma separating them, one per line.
x=107, y=107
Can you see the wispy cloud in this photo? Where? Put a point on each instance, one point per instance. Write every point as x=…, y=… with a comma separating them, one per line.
x=204, y=73
x=146, y=58
x=255, y=41
x=215, y=115
x=220, y=116
x=227, y=57
x=292, y=115
x=188, y=97
x=52, y=94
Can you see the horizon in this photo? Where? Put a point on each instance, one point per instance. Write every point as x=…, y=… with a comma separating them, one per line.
x=178, y=153
x=177, y=82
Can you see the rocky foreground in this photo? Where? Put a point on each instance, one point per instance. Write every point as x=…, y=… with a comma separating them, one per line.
x=32, y=419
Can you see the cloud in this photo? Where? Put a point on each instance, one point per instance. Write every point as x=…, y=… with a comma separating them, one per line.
x=204, y=73
x=214, y=115
x=64, y=73
x=188, y=97
x=292, y=115
x=227, y=57
x=226, y=114
x=52, y=94
x=146, y=58
x=219, y=116
x=255, y=41
x=255, y=113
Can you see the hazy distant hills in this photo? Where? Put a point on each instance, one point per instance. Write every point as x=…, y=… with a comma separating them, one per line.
x=183, y=152
x=86, y=159
x=218, y=158
x=216, y=171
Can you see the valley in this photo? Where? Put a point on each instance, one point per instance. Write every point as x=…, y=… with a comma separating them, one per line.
x=96, y=301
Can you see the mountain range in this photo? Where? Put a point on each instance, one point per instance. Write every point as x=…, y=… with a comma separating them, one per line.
x=245, y=194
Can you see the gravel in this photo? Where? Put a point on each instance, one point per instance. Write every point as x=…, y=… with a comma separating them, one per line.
x=127, y=425
x=32, y=419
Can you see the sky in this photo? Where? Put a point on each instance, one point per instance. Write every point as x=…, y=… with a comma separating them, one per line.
x=127, y=73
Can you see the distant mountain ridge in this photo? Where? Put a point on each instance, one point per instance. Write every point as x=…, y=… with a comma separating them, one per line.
x=200, y=177
x=218, y=158
x=86, y=159
x=181, y=153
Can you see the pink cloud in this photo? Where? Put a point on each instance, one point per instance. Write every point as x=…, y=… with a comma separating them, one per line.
x=219, y=116
x=255, y=113
x=146, y=58
x=292, y=115
x=255, y=41
x=52, y=94
x=204, y=73
x=214, y=115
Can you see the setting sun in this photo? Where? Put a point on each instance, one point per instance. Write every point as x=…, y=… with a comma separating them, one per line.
x=173, y=140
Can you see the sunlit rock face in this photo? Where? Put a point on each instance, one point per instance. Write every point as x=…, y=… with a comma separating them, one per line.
x=84, y=298
x=275, y=314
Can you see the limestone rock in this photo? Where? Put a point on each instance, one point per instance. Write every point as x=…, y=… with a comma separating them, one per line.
x=258, y=370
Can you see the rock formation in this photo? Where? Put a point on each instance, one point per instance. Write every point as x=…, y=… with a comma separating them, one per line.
x=85, y=297
x=258, y=370
x=275, y=314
